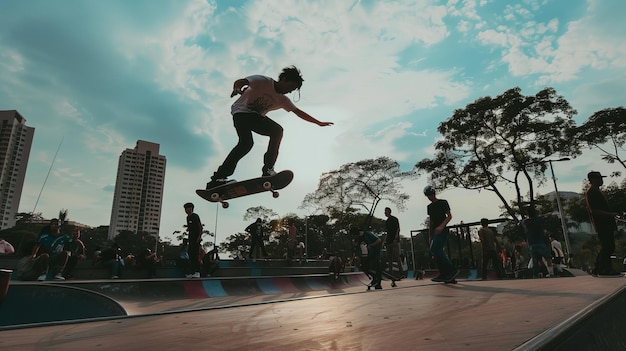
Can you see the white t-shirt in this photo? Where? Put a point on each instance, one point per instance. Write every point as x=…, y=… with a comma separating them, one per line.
x=6, y=247
x=557, y=249
x=260, y=97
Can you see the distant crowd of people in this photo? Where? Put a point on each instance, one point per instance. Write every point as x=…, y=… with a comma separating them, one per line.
x=55, y=255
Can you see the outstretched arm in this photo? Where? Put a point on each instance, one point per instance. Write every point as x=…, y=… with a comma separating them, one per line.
x=305, y=116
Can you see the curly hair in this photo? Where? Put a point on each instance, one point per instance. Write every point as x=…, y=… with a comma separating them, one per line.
x=292, y=73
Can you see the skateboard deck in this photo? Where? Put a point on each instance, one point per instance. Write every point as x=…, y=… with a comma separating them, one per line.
x=621, y=275
x=451, y=280
x=391, y=277
x=247, y=187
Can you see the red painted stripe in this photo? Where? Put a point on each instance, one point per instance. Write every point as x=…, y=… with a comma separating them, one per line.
x=285, y=285
x=194, y=289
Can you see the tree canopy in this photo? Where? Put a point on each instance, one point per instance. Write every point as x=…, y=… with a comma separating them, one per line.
x=605, y=130
x=503, y=141
x=359, y=186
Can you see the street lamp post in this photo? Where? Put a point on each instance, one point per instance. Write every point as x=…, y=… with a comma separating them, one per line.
x=306, y=238
x=560, y=207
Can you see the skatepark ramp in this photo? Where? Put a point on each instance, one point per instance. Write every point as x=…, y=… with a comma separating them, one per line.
x=600, y=326
x=168, y=289
x=29, y=304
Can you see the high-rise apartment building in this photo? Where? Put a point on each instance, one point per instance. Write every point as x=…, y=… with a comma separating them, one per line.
x=15, y=141
x=138, y=190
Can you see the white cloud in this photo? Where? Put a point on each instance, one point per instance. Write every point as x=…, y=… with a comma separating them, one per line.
x=379, y=70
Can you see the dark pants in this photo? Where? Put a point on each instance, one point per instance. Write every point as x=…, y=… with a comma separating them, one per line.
x=436, y=249
x=291, y=248
x=150, y=267
x=491, y=255
x=71, y=263
x=194, y=256
x=607, y=247
x=374, y=266
x=245, y=124
x=256, y=244
x=114, y=266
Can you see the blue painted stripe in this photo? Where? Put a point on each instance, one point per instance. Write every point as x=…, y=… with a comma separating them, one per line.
x=214, y=288
x=268, y=286
x=317, y=284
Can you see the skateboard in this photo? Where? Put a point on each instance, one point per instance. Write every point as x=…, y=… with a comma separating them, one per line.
x=391, y=277
x=453, y=281
x=247, y=187
x=449, y=281
x=621, y=275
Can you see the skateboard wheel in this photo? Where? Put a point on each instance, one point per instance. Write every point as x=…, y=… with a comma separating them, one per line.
x=224, y=204
x=215, y=197
x=275, y=194
x=267, y=185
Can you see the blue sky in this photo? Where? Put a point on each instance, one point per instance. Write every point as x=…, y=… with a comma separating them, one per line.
x=102, y=74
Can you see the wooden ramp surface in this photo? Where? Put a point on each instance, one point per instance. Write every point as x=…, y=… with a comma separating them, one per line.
x=418, y=315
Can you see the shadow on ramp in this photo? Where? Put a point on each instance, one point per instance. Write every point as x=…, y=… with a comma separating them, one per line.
x=37, y=303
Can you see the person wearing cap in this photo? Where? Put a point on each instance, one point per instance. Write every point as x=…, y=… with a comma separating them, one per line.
x=194, y=228
x=603, y=219
x=439, y=217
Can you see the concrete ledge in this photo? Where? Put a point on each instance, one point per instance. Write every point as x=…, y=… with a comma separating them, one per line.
x=84, y=270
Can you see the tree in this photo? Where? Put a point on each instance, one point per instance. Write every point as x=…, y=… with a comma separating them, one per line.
x=507, y=139
x=359, y=185
x=605, y=130
x=236, y=244
x=264, y=213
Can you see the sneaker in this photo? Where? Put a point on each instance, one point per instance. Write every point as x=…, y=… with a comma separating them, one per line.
x=378, y=287
x=59, y=276
x=114, y=277
x=195, y=275
x=450, y=277
x=188, y=276
x=214, y=183
x=268, y=172
x=42, y=277
x=438, y=279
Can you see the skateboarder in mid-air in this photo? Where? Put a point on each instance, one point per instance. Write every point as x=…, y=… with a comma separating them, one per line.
x=259, y=95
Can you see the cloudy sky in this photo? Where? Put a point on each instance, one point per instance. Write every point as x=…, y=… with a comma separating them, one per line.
x=96, y=76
